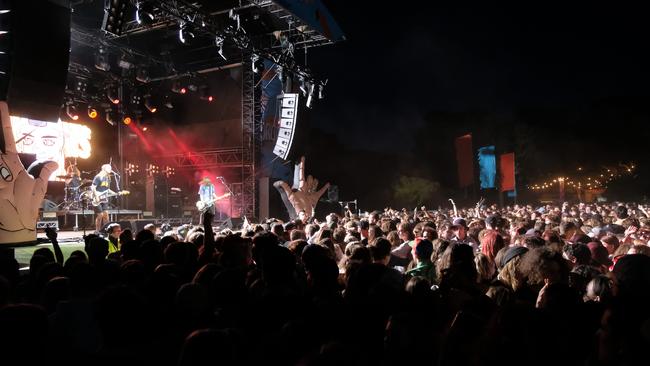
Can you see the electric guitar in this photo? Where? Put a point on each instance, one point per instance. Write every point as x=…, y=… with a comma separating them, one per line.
x=204, y=205
x=101, y=197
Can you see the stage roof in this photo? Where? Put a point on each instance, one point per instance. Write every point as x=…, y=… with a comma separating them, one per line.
x=277, y=30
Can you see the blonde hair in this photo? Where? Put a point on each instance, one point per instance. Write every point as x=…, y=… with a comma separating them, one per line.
x=510, y=276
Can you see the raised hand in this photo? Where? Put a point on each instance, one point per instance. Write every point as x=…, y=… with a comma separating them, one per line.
x=21, y=191
x=307, y=195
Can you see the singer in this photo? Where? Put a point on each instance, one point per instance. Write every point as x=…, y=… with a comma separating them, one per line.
x=101, y=183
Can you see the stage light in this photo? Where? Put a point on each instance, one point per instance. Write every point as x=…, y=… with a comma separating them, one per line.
x=135, y=99
x=101, y=60
x=303, y=85
x=92, y=112
x=125, y=62
x=82, y=85
x=149, y=105
x=110, y=93
x=145, y=128
x=205, y=93
x=321, y=94
x=185, y=32
x=144, y=12
x=110, y=118
x=310, y=94
x=127, y=120
x=219, y=42
x=254, y=59
x=142, y=75
x=71, y=111
x=178, y=88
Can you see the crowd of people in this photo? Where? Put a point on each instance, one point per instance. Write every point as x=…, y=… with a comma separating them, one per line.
x=483, y=285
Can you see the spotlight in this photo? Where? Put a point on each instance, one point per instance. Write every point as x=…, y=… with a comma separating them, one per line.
x=110, y=93
x=149, y=105
x=310, y=94
x=205, y=93
x=303, y=85
x=168, y=102
x=71, y=111
x=219, y=42
x=92, y=112
x=135, y=99
x=101, y=60
x=321, y=87
x=127, y=120
x=254, y=59
x=110, y=118
x=144, y=13
x=82, y=85
x=178, y=88
x=125, y=62
x=145, y=128
x=142, y=75
x=185, y=32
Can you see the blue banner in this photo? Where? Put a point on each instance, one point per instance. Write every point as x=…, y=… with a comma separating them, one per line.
x=487, y=166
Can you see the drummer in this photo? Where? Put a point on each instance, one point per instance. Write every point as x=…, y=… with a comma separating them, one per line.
x=73, y=175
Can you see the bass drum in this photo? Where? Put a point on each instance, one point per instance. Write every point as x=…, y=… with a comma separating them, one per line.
x=86, y=198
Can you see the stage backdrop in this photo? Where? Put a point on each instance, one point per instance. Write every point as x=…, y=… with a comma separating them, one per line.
x=51, y=141
x=488, y=166
x=465, y=160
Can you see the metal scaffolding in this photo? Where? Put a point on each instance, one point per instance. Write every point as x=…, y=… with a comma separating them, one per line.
x=251, y=133
x=225, y=158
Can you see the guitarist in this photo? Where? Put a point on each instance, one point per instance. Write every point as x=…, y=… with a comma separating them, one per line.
x=208, y=195
x=101, y=183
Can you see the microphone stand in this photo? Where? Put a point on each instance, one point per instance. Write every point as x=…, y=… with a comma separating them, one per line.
x=223, y=181
x=119, y=189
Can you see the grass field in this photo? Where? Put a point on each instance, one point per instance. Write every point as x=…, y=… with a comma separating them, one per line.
x=24, y=254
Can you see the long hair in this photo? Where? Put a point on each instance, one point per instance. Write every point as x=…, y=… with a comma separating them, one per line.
x=491, y=243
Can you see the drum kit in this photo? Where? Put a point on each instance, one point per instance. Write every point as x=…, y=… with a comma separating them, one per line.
x=77, y=192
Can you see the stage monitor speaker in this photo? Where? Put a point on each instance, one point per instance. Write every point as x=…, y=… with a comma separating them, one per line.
x=36, y=50
x=174, y=207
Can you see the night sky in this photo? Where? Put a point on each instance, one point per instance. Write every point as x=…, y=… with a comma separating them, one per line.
x=570, y=84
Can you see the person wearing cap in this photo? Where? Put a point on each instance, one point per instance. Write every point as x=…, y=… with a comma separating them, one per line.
x=492, y=222
x=422, y=256
x=459, y=229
